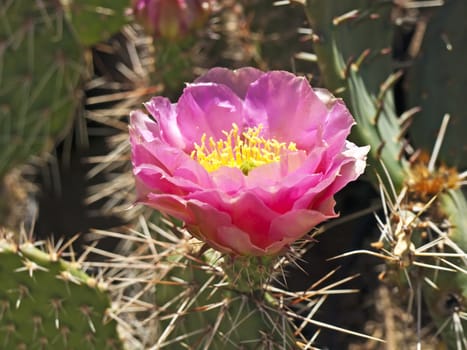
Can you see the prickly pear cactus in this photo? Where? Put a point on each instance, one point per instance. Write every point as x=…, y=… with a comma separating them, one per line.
x=40, y=70
x=218, y=316
x=352, y=41
x=96, y=20
x=438, y=81
x=182, y=296
x=447, y=302
x=47, y=303
x=423, y=229
x=186, y=300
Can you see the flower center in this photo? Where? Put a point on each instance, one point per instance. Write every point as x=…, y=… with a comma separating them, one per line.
x=245, y=150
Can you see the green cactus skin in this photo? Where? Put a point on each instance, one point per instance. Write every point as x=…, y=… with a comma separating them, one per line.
x=450, y=298
x=351, y=41
x=172, y=294
x=96, y=20
x=344, y=30
x=47, y=303
x=437, y=82
x=40, y=70
x=218, y=317
x=238, y=314
x=174, y=64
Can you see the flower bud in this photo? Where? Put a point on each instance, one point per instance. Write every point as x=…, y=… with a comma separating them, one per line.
x=171, y=19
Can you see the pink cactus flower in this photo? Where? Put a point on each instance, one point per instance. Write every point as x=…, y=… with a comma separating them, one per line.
x=171, y=19
x=249, y=160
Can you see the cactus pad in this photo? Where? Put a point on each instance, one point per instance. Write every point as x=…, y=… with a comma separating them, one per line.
x=47, y=303
x=210, y=317
x=352, y=44
x=96, y=20
x=438, y=81
x=40, y=69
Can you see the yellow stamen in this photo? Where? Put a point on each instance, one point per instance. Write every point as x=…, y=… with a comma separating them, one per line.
x=244, y=151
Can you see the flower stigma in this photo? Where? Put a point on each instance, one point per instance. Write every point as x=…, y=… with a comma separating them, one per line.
x=246, y=150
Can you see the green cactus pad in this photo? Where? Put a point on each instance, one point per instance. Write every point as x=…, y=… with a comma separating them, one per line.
x=438, y=81
x=47, y=303
x=450, y=298
x=352, y=40
x=169, y=293
x=96, y=20
x=40, y=69
x=195, y=314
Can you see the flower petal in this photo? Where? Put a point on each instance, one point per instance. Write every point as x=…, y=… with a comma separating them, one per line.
x=276, y=203
x=143, y=128
x=246, y=211
x=239, y=241
x=169, y=205
x=207, y=220
x=351, y=167
x=165, y=114
x=238, y=80
x=295, y=224
x=287, y=107
x=273, y=174
x=207, y=108
x=228, y=180
x=337, y=126
x=150, y=154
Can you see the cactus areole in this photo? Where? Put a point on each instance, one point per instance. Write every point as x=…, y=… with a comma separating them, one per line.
x=249, y=160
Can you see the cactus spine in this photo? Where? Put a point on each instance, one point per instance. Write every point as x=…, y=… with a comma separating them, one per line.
x=437, y=79
x=170, y=293
x=41, y=66
x=183, y=296
x=46, y=302
x=426, y=242
x=41, y=69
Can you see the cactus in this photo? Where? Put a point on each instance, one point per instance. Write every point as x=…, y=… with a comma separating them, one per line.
x=437, y=79
x=422, y=247
x=422, y=242
x=168, y=291
x=41, y=66
x=186, y=299
x=217, y=317
x=447, y=303
x=47, y=302
x=183, y=296
x=195, y=305
x=96, y=20
x=352, y=43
